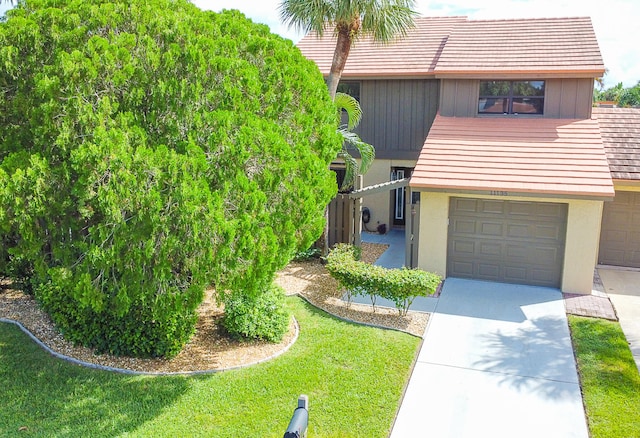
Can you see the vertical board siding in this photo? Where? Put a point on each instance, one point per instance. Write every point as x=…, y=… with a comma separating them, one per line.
x=564, y=98
x=459, y=98
x=568, y=98
x=397, y=115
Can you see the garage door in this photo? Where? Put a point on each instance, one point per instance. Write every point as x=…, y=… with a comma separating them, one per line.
x=507, y=241
x=620, y=235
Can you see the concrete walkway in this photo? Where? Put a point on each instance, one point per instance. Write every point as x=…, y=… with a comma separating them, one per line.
x=623, y=288
x=496, y=361
x=393, y=257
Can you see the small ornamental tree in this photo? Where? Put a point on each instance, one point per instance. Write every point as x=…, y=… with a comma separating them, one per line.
x=148, y=150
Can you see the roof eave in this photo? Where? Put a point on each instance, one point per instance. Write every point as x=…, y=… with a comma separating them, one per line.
x=568, y=194
x=510, y=74
x=379, y=75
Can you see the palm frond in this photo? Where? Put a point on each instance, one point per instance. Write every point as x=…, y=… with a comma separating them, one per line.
x=351, y=106
x=350, y=169
x=307, y=15
x=366, y=151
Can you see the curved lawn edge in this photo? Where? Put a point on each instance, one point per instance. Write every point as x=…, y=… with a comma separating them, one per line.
x=85, y=364
x=353, y=321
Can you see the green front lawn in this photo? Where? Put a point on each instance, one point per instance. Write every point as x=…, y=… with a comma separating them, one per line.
x=354, y=377
x=609, y=378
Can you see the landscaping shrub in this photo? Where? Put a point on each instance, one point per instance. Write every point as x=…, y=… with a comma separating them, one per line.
x=401, y=286
x=260, y=316
x=307, y=254
x=148, y=150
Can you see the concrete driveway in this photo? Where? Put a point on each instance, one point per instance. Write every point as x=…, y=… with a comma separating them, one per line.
x=496, y=361
x=623, y=288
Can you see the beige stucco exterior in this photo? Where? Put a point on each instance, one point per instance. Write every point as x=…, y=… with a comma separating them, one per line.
x=626, y=186
x=581, y=245
x=380, y=204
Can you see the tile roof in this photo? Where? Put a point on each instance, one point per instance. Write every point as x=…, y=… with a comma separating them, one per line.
x=514, y=155
x=565, y=46
x=414, y=55
x=458, y=47
x=620, y=131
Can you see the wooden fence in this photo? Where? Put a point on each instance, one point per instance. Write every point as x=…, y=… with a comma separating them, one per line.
x=344, y=220
x=345, y=225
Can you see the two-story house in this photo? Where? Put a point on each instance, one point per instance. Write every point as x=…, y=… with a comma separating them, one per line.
x=492, y=119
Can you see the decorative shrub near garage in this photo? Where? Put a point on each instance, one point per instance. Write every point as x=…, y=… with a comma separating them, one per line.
x=147, y=151
x=401, y=286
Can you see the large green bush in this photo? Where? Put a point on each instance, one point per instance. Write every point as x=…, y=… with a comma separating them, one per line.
x=401, y=286
x=257, y=317
x=148, y=150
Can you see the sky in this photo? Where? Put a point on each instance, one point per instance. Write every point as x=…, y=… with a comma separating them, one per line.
x=615, y=23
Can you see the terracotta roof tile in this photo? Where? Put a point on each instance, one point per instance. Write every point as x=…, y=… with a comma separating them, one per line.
x=549, y=45
x=515, y=155
x=414, y=55
x=620, y=130
x=455, y=46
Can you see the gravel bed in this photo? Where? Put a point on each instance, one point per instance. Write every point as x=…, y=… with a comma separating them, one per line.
x=210, y=349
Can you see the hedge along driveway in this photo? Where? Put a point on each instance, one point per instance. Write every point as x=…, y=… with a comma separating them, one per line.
x=401, y=286
x=354, y=376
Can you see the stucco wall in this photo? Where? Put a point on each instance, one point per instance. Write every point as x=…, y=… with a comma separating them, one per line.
x=626, y=186
x=434, y=223
x=581, y=245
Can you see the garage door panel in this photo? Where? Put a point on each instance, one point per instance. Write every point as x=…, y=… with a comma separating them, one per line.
x=516, y=251
x=492, y=207
x=547, y=253
x=491, y=249
x=620, y=231
x=464, y=248
x=542, y=276
x=614, y=235
x=488, y=270
x=464, y=226
x=515, y=274
x=551, y=232
x=466, y=205
x=495, y=229
x=512, y=241
x=463, y=268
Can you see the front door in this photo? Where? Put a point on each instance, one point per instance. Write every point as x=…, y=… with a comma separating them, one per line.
x=398, y=195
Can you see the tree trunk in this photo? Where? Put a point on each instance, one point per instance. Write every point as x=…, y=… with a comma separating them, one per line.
x=340, y=55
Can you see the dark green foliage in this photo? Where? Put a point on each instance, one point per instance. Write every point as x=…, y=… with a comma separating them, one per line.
x=307, y=254
x=147, y=150
x=622, y=97
x=630, y=97
x=401, y=286
x=260, y=316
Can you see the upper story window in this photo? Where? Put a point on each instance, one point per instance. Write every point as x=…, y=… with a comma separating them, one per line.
x=351, y=88
x=511, y=97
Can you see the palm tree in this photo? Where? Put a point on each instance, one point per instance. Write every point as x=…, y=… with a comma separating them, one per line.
x=350, y=19
x=349, y=105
